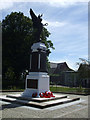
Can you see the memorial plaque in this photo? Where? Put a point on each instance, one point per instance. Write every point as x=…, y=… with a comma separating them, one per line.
x=32, y=83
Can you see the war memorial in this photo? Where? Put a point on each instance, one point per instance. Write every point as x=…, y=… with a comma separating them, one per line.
x=37, y=92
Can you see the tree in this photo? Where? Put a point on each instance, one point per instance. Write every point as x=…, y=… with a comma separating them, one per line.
x=10, y=75
x=16, y=42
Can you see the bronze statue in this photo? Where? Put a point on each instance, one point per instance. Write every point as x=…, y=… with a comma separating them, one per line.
x=37, y=25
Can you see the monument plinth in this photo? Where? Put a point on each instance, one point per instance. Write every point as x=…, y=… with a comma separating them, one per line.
x=38, y=79
x=38, y=58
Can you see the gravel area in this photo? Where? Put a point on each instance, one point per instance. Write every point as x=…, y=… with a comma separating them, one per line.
x=77, y=109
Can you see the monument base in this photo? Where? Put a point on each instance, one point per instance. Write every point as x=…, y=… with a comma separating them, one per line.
x=40, y=102
x=36, y=82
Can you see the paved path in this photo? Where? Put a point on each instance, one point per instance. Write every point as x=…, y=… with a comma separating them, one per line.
x=78, y=109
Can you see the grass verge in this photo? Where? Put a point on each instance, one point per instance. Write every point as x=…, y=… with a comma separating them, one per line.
x=77, y=90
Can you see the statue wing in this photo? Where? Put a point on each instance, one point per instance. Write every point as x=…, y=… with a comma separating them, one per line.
x=34, y=17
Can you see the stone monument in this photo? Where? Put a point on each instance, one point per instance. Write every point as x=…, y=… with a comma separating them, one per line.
x=38, y=79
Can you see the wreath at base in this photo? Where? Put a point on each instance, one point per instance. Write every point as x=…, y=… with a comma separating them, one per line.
x=47, y=94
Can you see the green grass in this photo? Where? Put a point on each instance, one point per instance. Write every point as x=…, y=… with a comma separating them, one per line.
x=76, y=90
x=70, y=90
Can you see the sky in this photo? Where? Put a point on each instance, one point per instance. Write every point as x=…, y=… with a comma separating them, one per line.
x=67, y=23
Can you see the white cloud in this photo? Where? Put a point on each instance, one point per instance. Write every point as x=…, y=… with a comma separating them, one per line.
x=77, y=34
x=4, y=4
x=64, y=3
x=73, y=1
x=54, y=23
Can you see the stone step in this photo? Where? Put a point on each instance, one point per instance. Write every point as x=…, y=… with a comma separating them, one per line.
x=18, y=96
x=41, y=105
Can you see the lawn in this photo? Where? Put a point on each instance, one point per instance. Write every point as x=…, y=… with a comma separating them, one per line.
x=71, y=90
x=77, y=90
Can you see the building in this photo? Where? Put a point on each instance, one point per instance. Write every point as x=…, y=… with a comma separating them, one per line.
x=61, y=74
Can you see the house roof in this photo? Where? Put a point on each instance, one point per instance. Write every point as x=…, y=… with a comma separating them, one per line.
x=59, y=67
